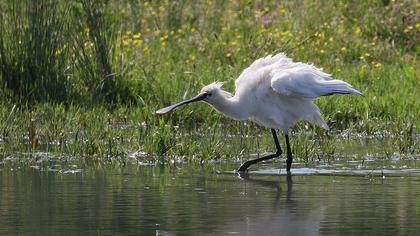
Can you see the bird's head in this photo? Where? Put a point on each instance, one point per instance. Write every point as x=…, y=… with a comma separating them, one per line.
x=213, y=91
x=210, y=93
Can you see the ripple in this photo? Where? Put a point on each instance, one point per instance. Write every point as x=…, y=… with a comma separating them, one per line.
x=322, y=171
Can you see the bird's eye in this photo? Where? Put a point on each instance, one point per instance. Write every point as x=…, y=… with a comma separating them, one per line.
x=209, y=94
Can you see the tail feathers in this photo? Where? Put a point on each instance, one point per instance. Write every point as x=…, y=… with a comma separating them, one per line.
x=339, y=87
x=318, y=120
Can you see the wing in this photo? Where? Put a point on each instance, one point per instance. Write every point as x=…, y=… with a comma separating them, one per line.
x=259, y=68
x=303, y=80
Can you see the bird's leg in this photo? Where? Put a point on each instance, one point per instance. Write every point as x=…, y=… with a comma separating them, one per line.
x=247, y=164
x=289, y=160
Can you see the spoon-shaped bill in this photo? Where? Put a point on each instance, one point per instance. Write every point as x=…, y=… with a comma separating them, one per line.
x=165, y=110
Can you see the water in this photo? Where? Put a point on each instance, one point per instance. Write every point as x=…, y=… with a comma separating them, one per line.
x=158, y=200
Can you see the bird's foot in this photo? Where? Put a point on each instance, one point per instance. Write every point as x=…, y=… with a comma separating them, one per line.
x=242, y=174
x=244, y=166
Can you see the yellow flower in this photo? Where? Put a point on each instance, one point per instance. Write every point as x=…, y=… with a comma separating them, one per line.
x=343, y=49
x=137, y=42
x=378, y=65
x=357, y=30
x=228, y=54
x=282, y=10
x=126, y=42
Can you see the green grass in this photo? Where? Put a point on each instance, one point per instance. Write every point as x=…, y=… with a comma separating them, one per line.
x=104, y=67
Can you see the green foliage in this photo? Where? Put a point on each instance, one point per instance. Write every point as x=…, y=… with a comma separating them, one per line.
x=133, y=57
x=94, y=50
x=33, y=53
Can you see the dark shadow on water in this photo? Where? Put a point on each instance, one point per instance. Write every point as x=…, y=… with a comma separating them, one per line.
x=276, y=184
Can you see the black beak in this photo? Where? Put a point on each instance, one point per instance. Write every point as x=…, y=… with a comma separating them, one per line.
x=197, y=98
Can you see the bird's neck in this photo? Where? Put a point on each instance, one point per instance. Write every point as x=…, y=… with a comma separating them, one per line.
x=232, y=107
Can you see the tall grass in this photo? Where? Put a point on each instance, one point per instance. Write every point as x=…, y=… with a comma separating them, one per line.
x=95, y=51
x=33, y=52
x=142, y=55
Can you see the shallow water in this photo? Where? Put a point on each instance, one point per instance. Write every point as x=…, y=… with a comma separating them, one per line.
x=158, y=200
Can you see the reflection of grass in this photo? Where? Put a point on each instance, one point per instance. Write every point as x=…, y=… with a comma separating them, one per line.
x=143, y=55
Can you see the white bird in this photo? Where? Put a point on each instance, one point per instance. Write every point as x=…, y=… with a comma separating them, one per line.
x=276, y=93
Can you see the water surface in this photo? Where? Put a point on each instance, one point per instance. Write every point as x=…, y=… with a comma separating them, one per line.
x=159, y=200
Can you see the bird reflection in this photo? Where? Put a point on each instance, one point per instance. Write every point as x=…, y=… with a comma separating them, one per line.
x=286, y=217
x=270, y=183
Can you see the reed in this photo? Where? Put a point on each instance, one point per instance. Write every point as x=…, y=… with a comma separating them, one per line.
x=84, y=78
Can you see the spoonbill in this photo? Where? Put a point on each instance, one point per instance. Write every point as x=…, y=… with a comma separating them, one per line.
x=274, y=92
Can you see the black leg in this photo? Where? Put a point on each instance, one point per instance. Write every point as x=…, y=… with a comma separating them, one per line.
x=247, y=164
x=289, y=160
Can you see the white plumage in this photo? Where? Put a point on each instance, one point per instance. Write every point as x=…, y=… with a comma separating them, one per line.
x=274, y=92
